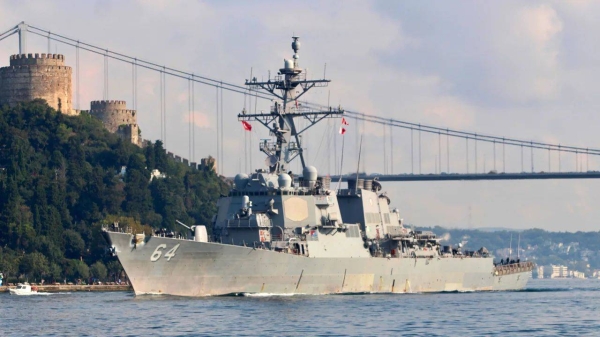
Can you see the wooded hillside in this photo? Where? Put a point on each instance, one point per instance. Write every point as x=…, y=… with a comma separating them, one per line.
x=60, y=182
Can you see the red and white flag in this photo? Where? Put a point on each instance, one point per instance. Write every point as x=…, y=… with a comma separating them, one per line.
x=247, y=126
x=342, y=128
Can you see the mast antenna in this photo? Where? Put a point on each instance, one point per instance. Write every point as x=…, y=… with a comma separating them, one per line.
x=357, y=164
x=518, y=245
x=510, y=248
x=287, y=87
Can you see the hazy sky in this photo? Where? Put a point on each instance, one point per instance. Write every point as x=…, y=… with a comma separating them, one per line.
x=527, y=70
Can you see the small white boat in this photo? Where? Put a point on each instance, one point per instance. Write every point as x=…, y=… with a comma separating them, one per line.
x=23, y=289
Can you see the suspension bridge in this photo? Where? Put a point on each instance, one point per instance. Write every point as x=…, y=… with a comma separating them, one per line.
x=452, y=161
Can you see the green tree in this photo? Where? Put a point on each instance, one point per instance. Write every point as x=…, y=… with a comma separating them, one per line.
x=59, y=180
x=98, y=270
x=34, y=265
x=74, y=244
x=55, y=272
x=77, y=269
x=114, y=269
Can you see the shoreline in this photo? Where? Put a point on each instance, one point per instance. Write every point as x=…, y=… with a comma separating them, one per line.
x=51, y=288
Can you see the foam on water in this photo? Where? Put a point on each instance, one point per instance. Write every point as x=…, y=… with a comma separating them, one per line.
x=270, y=294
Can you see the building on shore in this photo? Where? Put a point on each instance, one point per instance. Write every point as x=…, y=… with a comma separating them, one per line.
x=539, y=272
x=558, y=271
x=576, y=274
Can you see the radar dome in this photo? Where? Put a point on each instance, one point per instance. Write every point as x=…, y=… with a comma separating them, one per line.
x=240, y=180
x=284, y=180
x=296, y=45
x=309, y=173
x=288, y=64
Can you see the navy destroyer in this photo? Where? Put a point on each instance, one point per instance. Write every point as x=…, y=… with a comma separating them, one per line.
x=276, y=233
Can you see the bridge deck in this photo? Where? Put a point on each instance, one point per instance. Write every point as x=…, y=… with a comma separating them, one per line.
x=478, y=176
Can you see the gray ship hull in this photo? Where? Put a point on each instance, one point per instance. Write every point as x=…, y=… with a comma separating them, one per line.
x=159, y=265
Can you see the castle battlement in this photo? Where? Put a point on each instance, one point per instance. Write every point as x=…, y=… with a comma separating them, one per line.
x=46, y=68
x=37, y=76
x=113, y=114
x=112, y=104
x=37, y=59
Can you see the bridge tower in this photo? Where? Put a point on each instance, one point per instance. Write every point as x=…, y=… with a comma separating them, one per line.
x=33, y=76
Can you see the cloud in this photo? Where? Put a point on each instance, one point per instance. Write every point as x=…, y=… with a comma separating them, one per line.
x=522, y=59
x=199, y=119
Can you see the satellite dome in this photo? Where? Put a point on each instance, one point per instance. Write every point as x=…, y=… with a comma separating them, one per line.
x=240, y=180
x=284, y=180
x=309, y=173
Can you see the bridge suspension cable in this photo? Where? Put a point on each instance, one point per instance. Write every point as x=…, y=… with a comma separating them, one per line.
x=163, y=70
x=463, y=134
x=9, y=32
x=474, y=136
x=138, y=62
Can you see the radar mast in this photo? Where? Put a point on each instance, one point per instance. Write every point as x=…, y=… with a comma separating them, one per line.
x=288, y=86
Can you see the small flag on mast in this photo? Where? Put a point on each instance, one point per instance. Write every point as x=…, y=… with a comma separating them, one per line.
x=247, y=126
x=342, y=128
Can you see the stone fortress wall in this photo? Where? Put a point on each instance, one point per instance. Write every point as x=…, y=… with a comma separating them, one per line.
x=117, y=119
x=45, y=76
x=130, y=132
x=32, y=76
x=113, y=114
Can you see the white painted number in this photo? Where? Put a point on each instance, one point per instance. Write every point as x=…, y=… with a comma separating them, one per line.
x=158, y=252
x=171, y=253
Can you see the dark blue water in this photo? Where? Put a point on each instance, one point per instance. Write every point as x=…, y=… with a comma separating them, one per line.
x=545, y=308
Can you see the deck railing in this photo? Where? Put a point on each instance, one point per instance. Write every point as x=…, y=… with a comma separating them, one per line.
x=505, y=269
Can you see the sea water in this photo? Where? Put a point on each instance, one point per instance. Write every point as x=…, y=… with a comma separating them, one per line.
x=545, y=308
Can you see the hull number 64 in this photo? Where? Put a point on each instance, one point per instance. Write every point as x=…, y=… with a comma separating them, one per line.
x=159, y=250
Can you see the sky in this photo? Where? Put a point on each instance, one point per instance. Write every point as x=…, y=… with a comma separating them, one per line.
x=518, y=69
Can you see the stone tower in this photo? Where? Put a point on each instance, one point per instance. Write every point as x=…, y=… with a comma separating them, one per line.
x=117, y=119
x=42, y=76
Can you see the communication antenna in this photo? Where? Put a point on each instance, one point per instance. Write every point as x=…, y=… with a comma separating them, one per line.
x=518, y=245
x=341, y=164
x=287, y=87
x=510, y=248
x=358, y=164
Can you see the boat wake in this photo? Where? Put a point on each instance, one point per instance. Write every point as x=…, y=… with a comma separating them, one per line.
x=34, y=294
x=552, y=290
x=270, y=294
